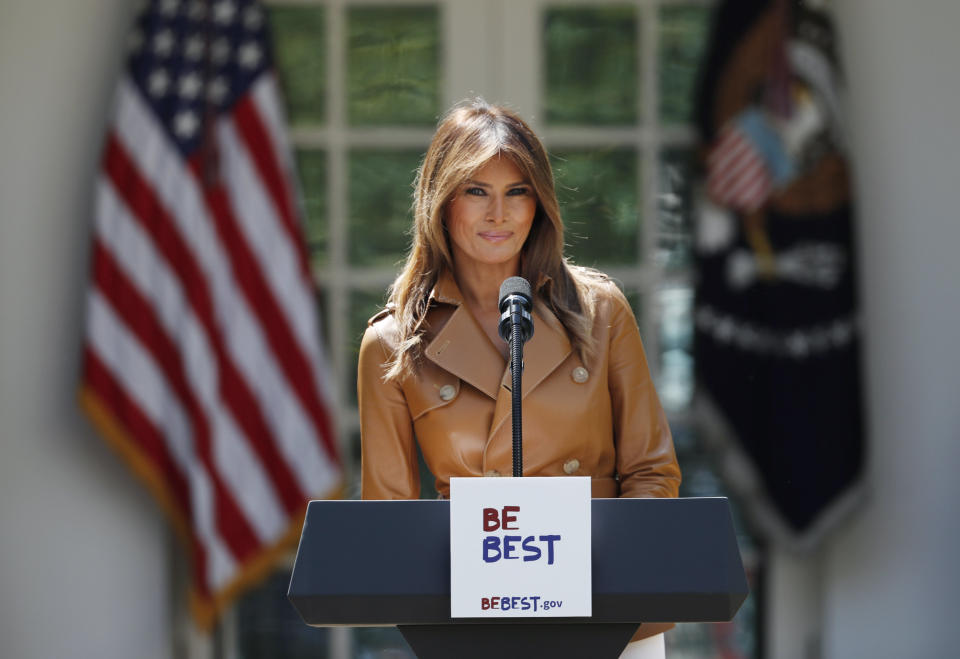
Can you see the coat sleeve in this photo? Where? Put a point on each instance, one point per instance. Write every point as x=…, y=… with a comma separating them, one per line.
x=646, y=462
x=389, y=466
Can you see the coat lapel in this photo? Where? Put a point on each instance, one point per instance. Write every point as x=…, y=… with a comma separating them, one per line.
x=542, y=354
x=460, y=346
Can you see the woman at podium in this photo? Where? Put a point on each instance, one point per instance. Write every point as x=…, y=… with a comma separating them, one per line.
x=434, y=372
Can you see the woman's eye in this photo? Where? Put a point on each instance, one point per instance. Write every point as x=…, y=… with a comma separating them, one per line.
x=477, y=192
x=518, y=192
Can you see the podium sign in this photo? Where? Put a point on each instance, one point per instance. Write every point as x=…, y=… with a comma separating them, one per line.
x=520, y=547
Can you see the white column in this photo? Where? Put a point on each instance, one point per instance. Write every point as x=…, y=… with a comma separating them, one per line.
x=892, y=577
x=793, y=606
x=83, y=549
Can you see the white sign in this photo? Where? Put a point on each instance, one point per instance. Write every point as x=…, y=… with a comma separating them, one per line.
x=520, y=547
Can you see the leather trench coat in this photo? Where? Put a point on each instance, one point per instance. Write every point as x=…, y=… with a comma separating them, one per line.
x=601, y=419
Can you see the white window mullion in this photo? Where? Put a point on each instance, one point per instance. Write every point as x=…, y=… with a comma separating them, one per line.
x=520, y=58
x=647, y=177
x=334, y=284
x=468, y=41
x=338, y=295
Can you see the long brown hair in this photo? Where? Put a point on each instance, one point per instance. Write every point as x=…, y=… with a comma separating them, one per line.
x=468, y=136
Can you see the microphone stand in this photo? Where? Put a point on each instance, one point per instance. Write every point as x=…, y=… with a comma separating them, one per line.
x=516, y=327
x=516, y=370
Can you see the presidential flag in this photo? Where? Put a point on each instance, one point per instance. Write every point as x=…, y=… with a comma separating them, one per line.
x=777, y=323
x=202, y=360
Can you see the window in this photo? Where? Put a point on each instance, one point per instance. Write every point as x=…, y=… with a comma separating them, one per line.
x=608, y=87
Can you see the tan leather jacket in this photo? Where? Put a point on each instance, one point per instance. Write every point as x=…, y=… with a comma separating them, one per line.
x=601, y=419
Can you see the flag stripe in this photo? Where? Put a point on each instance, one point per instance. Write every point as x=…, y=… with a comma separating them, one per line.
x=734, y=167
x=236, y=394
x=748, y=184
x=729, y=146
x=726, y=190
x=149, y=441
x=751, y=193
x=138, y=316
x=292, y=430
x=254, y=134
x=251, y=282
x=737, y=174
x=266, y=95
x=244, y=475
x=137, y=373
x=149, y=438
x=270, y=244
x=243, y=335
x=270, y=235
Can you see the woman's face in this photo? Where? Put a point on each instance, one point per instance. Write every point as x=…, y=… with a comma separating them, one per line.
x=490, y=216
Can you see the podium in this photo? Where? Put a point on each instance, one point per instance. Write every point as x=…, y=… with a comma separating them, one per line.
x=381, y=563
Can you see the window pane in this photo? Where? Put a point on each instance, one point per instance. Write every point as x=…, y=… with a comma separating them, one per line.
x=381, y=193
x=675, y=384
x=598, y=196
x=739, y=637
x=635, y=298
x=353, y=455
x=591, y=65
x=312, y=171
x=323, y=306
x=268, y=626
x=683, y=35
x=428, y=484
x=393, y=65
x=674, y=236
x=300, y=51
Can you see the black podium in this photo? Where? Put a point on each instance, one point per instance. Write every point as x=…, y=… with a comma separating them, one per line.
x=388, y=563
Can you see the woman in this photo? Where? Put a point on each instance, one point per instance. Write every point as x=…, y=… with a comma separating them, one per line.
x=433, y=369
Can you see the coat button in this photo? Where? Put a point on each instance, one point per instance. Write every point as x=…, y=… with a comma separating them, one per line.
x=580, y=375
x=447, y=392
x=493, y=473
x=571, y=466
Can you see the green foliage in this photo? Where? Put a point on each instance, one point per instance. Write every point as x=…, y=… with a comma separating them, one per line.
x=393, y=65
x=597, y=190
x=312, y=171
x=674, y=233
x=380, y=198
x=591, y=65
x=683, y=35
x=300, y=53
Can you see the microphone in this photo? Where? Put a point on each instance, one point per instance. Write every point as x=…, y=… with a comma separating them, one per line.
x=516, y=302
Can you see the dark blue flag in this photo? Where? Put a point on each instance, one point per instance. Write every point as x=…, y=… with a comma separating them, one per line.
x=777, y=324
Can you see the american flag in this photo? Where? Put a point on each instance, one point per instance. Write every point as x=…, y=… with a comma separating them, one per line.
x=737, y=175
x=202, y=358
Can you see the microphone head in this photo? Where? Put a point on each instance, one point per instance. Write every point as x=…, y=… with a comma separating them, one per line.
x=516, y=303
x=515, y=286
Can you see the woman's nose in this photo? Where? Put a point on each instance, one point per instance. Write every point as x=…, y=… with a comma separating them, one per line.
x=495, y=210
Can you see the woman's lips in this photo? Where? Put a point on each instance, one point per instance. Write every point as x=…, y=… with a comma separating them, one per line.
x=495, y=236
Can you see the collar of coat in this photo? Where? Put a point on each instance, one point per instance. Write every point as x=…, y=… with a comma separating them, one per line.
x=462, y=348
